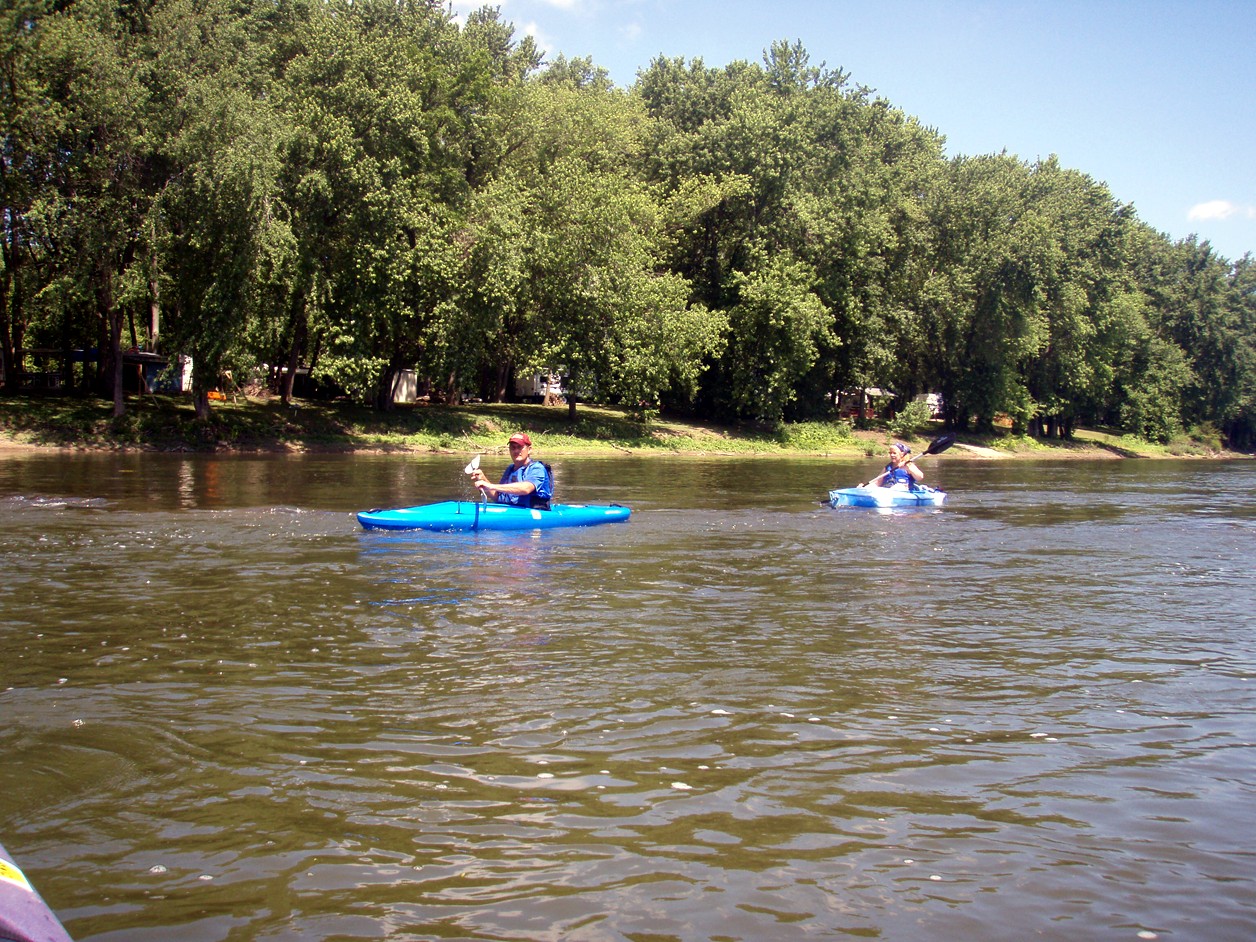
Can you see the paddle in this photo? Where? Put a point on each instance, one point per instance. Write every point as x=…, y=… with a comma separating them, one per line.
x=938, y=445
x=473, y=466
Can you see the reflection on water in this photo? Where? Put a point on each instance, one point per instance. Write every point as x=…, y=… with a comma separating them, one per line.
x=230, y=713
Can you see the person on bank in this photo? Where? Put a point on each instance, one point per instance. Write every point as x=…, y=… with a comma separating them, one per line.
x=525, y=483
x=901, y=469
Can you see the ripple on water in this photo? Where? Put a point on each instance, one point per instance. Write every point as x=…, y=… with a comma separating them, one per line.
x=729, y=718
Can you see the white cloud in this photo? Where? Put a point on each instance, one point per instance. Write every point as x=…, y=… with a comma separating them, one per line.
x=543, y=44
x=1214, y=209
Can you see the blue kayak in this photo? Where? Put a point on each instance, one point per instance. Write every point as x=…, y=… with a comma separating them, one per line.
x=919, y=496
x=474, y=515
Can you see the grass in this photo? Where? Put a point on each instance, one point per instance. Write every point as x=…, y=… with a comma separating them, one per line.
x=1195, y=443
x=168, y=423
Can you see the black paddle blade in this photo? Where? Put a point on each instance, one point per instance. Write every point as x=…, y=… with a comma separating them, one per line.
x=939, y=445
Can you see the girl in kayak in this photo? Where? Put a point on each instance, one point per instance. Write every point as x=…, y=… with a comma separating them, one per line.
x=901, y=469
x=525, y=483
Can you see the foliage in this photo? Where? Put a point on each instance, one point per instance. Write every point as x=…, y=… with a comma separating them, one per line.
x=776, y=330
x=815, y=436
x=913, y=418
x=364, y=187
x=1207, y=436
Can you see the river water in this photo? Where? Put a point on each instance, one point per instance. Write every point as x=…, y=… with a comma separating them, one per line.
x=228, y=713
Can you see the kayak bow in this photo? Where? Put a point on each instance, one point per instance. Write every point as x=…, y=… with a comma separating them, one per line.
x=24, y=916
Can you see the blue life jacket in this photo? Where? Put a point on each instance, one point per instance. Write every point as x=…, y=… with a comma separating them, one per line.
x=541, y=477
x=898, y=476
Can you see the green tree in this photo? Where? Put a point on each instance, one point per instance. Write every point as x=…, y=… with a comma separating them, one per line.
x=565, y=252
x=1240, y=417
x=700, y=131
x=861, y=224
x=982, y=318
x=382, y=97
x=618, y=328
x=776, y=330
x=1203, y=305
x=1151, y=387
x=28, y=127
x=1083, y=271
x=602, y=306
x=94, y=193
x=216, y=216
x=806, y=165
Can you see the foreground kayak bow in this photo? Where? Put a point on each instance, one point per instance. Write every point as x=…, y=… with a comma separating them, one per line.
x=24, y=916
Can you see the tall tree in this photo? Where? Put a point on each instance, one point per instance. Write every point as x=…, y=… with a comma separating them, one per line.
x=1082, y=275
x=383, y=97
x=27, y=129
x=776, y=330
x=984, y=306
x=1240, y=418
x=217, y=211
x=1202, y=304
x=90, y=214
x=574, y=248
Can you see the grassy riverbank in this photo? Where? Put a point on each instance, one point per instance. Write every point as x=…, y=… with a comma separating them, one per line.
x=162, y=423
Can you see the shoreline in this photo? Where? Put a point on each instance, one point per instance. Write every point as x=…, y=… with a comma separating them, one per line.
x=963, y=451
x=260, y=426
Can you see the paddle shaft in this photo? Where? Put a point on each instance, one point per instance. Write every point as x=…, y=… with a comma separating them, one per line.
x=473, y=466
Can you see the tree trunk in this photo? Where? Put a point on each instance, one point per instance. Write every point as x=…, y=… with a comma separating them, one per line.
x=299, y=334
x=8, y=366
x=112, y=318
x=384, y=395
x=116, y=379
x=130, y=320
x=154, y=311
x=502, y=385
x=288, y=378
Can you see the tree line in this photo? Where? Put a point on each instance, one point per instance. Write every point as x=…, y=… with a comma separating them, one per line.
x=372, y=186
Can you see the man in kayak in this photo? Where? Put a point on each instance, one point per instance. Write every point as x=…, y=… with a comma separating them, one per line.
x=901, y=470
x=525, y=483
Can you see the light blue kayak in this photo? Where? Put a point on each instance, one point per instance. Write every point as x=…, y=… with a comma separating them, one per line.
x=919, y=496
x=474, y=515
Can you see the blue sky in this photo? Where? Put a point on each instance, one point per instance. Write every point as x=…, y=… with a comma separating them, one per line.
x=1156, y=99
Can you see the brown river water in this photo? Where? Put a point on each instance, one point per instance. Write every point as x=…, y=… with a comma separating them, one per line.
x=228, y=714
